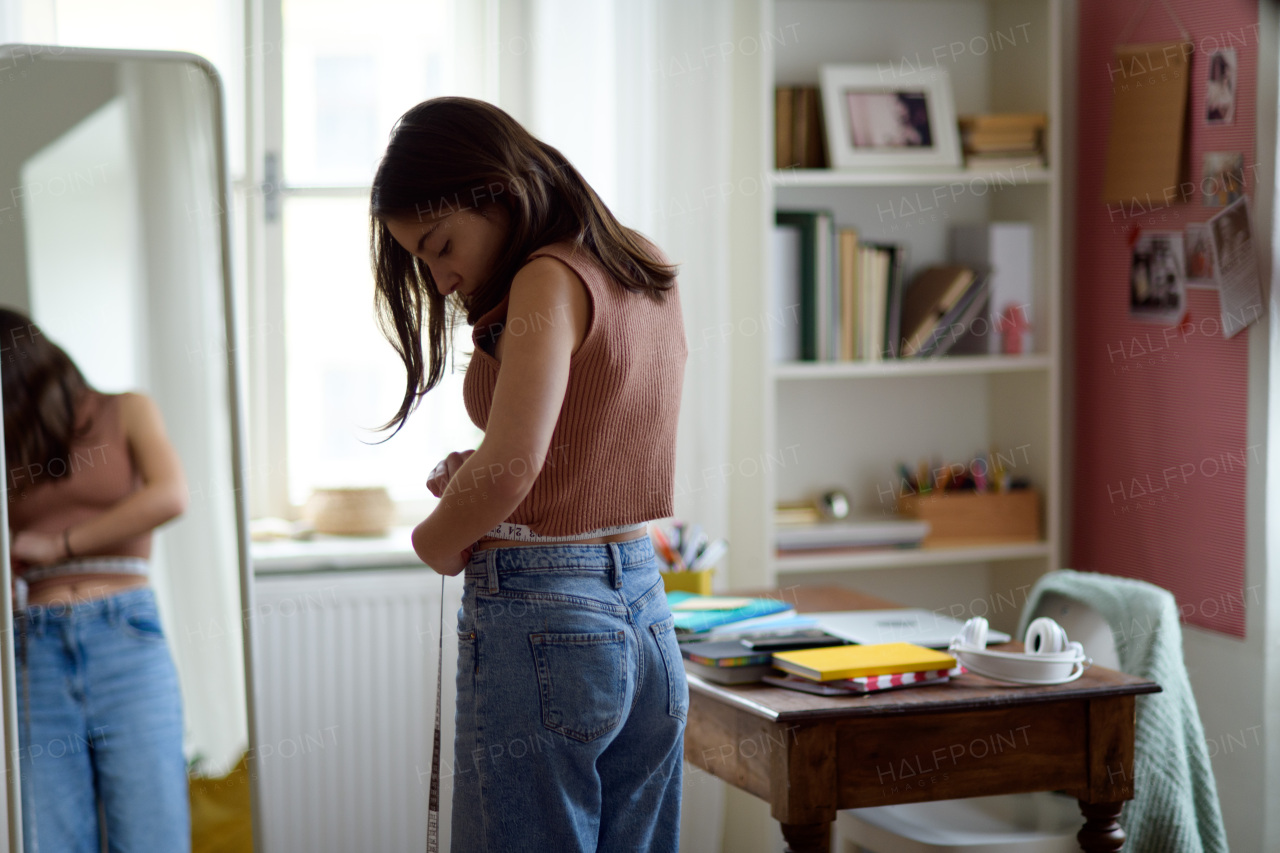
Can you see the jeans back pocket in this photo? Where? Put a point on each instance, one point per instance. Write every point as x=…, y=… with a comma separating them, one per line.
x=677, y=685
x=583, y=681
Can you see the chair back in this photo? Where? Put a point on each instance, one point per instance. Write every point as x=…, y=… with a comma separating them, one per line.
x=1082, y=624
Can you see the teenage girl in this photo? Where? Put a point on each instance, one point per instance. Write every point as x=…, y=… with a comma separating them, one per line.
x=571, y=695
x=99, y=710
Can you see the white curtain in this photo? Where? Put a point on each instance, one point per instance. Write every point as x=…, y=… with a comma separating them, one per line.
x=612, y=84
x=196, y=567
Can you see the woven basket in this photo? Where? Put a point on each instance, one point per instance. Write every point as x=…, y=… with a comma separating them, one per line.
x=350, y=512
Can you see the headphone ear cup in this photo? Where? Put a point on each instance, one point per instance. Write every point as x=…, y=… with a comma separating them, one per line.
x=974, y=633
x=1045, y=636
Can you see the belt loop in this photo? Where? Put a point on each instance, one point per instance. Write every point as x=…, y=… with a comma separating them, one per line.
x=615, y=556
x=491, y=563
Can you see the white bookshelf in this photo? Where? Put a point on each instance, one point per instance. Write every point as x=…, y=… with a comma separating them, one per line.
x=996, y=178
x=817, y=425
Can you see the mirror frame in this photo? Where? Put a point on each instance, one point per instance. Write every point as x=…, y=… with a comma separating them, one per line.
x=17, y=55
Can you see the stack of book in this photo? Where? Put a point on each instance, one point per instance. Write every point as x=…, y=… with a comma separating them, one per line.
x=853, y=669
x=838, y=297
x=796, y=513
x=996, y=140
x=730, y=640
x=799, y=138
x=697, y=616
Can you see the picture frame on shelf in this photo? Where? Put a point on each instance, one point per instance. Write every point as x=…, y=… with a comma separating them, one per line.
x=874, y=120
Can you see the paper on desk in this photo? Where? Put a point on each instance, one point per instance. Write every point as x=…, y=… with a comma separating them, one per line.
x=711, y=603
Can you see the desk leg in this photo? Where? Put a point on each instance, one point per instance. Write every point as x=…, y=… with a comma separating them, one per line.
x=807, y=837
x=1101, y=832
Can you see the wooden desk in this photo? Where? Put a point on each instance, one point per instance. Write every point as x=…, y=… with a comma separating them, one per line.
x=810, y=756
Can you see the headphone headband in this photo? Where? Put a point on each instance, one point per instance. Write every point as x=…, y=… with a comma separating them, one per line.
x=1050, y=658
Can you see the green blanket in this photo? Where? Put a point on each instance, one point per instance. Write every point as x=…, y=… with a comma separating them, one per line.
x=1175, y=805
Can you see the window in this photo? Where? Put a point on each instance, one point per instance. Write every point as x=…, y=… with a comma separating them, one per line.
x=311, y=92
x=326, y=378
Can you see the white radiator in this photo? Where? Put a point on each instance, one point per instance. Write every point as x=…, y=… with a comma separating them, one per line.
x=346, y=672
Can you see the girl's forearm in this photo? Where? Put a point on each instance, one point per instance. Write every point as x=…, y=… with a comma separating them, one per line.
x=471, y=506
x=144, y=510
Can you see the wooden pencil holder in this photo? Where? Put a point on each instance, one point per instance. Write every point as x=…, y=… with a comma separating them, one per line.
x=698, y=582
x=970, y=518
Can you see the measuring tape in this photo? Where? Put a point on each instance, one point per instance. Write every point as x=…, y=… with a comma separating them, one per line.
x=433, y=798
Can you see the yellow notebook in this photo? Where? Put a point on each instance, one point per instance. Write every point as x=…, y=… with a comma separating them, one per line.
x=833, y=662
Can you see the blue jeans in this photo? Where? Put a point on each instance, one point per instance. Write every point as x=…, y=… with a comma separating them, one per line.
x=571, y=703
x=100, y=718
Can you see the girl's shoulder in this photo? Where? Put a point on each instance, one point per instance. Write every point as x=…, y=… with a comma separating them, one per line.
x=138, y=412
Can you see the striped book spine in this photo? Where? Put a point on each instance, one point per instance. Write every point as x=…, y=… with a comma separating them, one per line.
x=870, y=683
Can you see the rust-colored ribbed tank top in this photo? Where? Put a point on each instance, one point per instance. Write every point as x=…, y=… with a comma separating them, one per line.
x=101, y=472
x=612, y=456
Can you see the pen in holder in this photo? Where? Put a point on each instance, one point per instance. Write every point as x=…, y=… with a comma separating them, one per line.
x=687, y=556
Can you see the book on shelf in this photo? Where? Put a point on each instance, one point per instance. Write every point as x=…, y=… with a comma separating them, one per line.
x=787, y=272
x=853, y=533
x=933, y=292
x=958, y=332
x=783, y=122
x=799, y=137
x=848, y=267
x=840, y=662
x=893, y=313
x=1003, y=121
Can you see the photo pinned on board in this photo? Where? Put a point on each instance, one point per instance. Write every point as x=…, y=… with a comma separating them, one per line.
x=1220, y=87
x=1157, y=278
x=1199, y=262
x=1222, y=183
x=1236, y=265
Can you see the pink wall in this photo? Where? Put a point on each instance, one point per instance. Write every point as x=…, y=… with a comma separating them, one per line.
x=1160, y=443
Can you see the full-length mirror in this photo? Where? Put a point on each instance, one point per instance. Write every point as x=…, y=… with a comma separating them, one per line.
x=114, y=248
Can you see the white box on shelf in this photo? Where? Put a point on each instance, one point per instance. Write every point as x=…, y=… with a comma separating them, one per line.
x=1006, y=249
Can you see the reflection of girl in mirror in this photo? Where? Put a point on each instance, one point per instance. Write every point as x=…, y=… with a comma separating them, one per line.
x=571, y=695
x=100, y=715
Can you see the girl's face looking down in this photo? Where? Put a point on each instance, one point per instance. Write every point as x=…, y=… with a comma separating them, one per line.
x=461, y=248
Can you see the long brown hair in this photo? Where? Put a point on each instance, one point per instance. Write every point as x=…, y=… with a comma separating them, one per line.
x=42, y=390
x=450, y=154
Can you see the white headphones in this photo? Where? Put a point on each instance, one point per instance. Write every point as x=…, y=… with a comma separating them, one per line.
x=1050, y=658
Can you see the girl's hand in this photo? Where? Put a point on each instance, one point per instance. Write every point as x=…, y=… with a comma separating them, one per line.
x=37, y=549
x=444, y=471
x=453, y=565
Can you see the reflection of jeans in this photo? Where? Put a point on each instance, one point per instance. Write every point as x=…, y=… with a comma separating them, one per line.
x=571, y=702
x=100, y=717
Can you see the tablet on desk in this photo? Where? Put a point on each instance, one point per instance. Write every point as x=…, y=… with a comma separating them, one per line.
x=912, y=625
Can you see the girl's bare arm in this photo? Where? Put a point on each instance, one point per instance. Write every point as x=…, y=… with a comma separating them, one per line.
x=163, y=495
x=551, y=307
